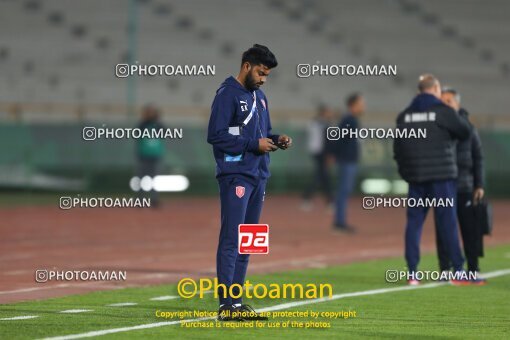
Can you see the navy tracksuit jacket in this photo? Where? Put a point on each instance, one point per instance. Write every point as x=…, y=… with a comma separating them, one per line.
x=242, y=172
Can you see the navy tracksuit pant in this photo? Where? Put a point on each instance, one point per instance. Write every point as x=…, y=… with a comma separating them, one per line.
x=445, y=218
x=230, y=265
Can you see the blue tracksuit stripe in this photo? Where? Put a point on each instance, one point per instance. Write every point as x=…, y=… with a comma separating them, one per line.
x=222, y=116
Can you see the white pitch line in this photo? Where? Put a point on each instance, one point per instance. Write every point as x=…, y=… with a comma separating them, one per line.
x=74, y=311
x=18, y=272
x=122, y=304
x=12, y=257
x=23, y=317
x=496, y=273
x=164, y=298
x=172, y=297
x=24, y=290
x=271, y=308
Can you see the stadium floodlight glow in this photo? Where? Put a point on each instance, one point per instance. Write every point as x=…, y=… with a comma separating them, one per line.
x=134, y=183
x=161, y=183
x=170, y=183
x=375, y=186
x=146, y=183
x=400, y=187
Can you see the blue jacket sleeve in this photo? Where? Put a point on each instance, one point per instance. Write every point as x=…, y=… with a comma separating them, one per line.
x=270, y=134
x=222, y=112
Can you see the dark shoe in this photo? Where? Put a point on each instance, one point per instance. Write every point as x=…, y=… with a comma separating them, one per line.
x=478, y=281
x=460, y=282
x=460, y=278
x=344, y=228
x=445, y=274
x=413, y=282
x=225, y=313
x=247, y=313
x=306, y=205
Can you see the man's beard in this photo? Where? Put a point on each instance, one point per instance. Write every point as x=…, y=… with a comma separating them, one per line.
x=250, y=83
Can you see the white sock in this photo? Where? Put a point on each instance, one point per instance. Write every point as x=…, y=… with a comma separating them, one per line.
x=236, y=305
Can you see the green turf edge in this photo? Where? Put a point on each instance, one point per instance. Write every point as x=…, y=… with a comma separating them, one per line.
x=448, y=311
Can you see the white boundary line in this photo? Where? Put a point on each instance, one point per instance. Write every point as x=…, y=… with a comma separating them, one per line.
x=23, y=317
x=164, y=298
x=85, y=285
x=74, y=311
x=271, y=308
x=31, y=289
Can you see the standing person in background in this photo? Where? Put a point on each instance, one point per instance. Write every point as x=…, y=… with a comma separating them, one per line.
x=347, y=156
x=429, y=165
x=317, y=149
x=470, y=191
x=150, y=150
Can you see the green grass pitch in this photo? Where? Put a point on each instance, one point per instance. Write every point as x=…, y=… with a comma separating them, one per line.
x=442, y=311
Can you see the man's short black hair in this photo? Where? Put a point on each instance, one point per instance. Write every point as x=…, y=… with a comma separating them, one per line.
x=453, y=91
x=259, y=54
x=352, y=99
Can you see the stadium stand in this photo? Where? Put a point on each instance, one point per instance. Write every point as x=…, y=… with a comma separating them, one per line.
x=65, y=52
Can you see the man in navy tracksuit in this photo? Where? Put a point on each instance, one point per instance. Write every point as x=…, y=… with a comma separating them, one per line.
x=240, y=133
x=429, y=165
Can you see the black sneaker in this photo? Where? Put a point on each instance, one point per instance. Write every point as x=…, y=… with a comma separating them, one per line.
x=225, y=313
x=344, y=228
x=247, y=313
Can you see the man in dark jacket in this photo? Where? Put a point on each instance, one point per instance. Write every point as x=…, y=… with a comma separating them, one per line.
x=317, y=147
x=470, y=191
x=240, y=133
x=150, y=150
x=347, y=156
x=429, y=165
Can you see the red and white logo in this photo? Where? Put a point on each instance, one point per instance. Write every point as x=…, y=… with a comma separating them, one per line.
x=253, y=239
x=240, y=191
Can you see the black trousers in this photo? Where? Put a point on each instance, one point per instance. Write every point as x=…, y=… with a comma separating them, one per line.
x=472, y=235
x=320, y=179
